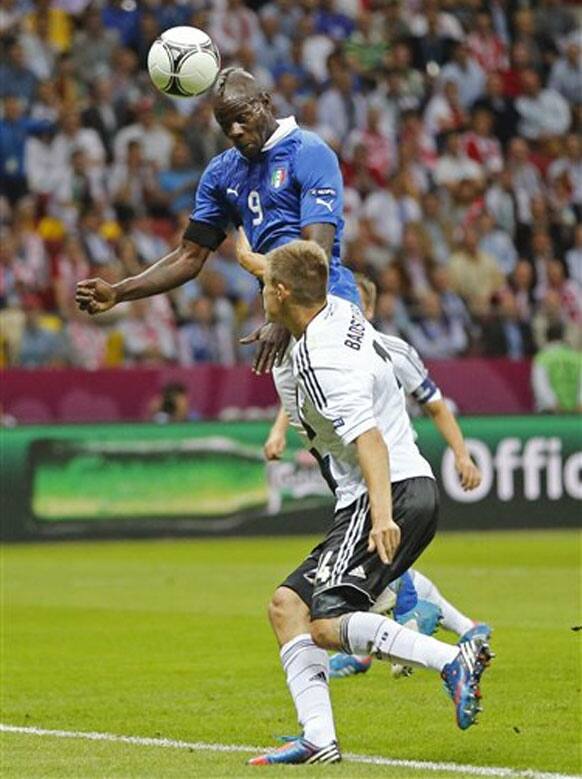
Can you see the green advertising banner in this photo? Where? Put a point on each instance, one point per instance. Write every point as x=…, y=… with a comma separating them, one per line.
x=210, y=477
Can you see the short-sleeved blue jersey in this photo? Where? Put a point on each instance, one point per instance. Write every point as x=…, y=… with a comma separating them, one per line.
x=293, y=183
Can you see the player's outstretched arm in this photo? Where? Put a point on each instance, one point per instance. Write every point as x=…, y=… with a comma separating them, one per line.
x=277, y=438
x=184, y=263
x=375, y=465
x=445, y=421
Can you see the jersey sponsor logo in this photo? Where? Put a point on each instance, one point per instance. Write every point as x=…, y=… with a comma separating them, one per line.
x=278, y=177
x=358, y=572
x=337, y=423
x=232, y=191
x=327, y=203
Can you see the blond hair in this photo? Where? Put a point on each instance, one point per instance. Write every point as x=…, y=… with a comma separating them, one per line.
x=302, y=267
x=368, y=290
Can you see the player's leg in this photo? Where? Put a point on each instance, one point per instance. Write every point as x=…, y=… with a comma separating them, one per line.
x=453, y=619
x=306, y=668
x=349, y=579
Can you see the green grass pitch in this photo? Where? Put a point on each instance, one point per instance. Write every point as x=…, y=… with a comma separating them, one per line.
x=170, y=639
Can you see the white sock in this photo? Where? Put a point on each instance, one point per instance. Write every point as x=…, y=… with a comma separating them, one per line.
x=306, y=667
x=387, y=640
x=452, y=617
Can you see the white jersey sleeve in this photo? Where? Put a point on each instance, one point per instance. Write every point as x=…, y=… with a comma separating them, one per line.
x=410, y=371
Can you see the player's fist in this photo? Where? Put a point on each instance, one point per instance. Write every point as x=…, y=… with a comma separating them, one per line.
x=469, y=474
x=275, y=445
x=95, y=296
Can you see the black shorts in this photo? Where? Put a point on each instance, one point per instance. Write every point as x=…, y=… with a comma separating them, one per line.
x=340, y=575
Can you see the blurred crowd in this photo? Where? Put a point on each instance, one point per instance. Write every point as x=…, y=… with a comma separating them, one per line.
x=456, y=122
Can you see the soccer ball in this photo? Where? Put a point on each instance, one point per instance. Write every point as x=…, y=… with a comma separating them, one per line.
x=183, y=62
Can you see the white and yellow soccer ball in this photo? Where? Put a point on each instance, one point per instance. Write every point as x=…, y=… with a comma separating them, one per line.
x=183, y=62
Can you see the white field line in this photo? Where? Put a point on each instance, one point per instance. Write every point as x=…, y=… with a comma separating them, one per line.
x=200, y=746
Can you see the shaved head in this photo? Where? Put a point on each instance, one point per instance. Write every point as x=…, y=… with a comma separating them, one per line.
x=243, y=110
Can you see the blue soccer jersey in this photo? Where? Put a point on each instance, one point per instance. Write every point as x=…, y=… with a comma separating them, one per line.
x=295, y=181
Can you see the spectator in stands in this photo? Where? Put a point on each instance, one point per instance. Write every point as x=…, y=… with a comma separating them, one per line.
x=203, y=339
x=566, y=75
x=574, y=258
x=414, y=260
x=474, y=274
x=497, y=243
x=147, y=338
x=93, y=43
x=41, y=345
x=133, y=184
x=156, y=141
x=340, y=105
x=466, y=73
x=72, y=136
x=176, y=183
x=46, y=105
x=232, y=23
x=171, y=405
x=148, y=245
x=103, y=115
x=438, y=226
x=81, y=185
x=444, y=112
x=557, y=374
x=15, y=128
x=555, y=20
x=501, y=107
x=16, y=78
x=542, y=112
x=568, y=166
x=96, y=246
x=452, y=304
x=485, y=45
x=480, y=144
x=38, y=49
x=455, y=166
x=273, y=51
x=432, y=334
x=525, y=178
x=521, y=283
x=506, y=334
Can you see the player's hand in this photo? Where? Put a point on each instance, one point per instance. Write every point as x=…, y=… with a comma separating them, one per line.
x=469, y=474
x=95, y=296
x=273, y=340
x=248, y=259
x=275, y=445
x=384, y=538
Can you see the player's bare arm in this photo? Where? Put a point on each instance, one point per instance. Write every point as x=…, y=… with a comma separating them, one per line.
x=272, y=337
x=445, y=421
x=375, y=465
x=182, y=264
x=277, y=439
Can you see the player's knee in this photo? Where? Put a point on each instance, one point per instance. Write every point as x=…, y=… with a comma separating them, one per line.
x=284, y=606
x=323, y=634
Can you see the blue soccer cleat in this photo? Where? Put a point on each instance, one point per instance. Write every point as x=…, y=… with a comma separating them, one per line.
x=299, y=751
x=341, y=665
x=479, y=630
x=425, y=618
x=462, y=677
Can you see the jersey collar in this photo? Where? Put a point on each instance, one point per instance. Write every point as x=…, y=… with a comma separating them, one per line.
x=285, y=128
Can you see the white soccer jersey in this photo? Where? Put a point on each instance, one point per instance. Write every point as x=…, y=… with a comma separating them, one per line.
x=410, y=370
x=346, y=385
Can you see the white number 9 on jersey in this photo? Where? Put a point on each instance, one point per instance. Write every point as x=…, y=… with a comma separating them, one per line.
x=254, y=203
